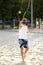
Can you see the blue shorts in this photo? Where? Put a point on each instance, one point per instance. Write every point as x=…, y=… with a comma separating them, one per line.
x=23, y=43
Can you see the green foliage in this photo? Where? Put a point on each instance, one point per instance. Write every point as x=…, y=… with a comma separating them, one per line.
x=10, y=8
x=38, y=8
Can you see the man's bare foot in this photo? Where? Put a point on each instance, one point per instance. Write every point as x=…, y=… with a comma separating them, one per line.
x=22, y=59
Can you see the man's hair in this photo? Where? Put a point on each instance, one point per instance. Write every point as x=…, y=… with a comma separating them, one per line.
x=24, y=19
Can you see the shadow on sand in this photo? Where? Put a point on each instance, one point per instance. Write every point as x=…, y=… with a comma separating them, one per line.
x=21, y=63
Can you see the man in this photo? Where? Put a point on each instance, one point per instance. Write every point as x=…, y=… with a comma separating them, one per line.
x=23, y=41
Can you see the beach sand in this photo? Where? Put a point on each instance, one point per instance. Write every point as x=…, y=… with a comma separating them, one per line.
x=10, y=51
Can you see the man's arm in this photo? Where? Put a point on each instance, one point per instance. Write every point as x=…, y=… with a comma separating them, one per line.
x=32, y=30
x=20, y=24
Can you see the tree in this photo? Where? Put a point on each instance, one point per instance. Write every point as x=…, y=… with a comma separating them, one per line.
x=10, y=9
x=38, y=8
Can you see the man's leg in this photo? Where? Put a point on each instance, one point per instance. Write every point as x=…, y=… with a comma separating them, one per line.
x=25, y=51
x=22, y=53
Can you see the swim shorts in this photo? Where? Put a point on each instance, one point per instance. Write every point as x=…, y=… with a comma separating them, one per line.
x=23, y=43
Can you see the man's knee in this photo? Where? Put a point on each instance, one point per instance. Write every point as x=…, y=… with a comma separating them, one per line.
x=27, y=49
